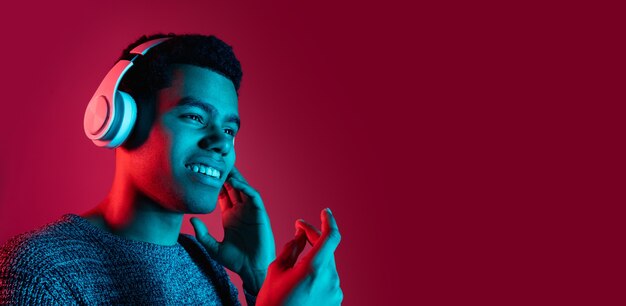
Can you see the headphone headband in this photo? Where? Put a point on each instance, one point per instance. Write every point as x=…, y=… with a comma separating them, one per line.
x=143, y=48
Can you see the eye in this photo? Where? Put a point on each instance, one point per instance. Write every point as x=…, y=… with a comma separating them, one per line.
x=194, y=117
x=230, y=132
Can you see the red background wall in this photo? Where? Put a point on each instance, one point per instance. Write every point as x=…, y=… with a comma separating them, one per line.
x=472, y=153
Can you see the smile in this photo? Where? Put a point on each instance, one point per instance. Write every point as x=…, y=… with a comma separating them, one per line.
x=204, y=169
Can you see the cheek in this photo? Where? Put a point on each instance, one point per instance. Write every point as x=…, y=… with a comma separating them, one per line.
x=230, y=160
x=155, y=157
x=163, y=150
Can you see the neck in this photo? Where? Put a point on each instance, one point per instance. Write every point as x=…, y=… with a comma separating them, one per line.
x=129, y=213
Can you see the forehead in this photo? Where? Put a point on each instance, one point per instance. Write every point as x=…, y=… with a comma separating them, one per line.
x=202, y=84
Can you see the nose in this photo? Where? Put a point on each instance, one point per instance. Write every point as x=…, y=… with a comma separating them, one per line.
x=216, y=140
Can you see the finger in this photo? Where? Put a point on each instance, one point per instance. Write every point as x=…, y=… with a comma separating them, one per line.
x=249, y=192
x=224, y=200
x=329, y=226
x=236, y=174
x=301, y=243
x=203, y=236
x=324, y=249
x=233, y=194
x=286, y=254
x=312, y=233
x=289, y=255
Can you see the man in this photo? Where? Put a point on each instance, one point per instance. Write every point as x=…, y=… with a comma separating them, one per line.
x=178, y=159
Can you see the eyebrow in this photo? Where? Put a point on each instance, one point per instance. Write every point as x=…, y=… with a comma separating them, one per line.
x=208, y=108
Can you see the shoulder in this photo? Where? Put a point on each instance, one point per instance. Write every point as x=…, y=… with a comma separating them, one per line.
x=28, y=263
x=37, y=248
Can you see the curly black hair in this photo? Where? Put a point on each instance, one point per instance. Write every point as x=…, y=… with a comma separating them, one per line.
x=152, y=71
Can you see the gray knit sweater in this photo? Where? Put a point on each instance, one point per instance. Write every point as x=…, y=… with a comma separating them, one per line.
x=70, y=261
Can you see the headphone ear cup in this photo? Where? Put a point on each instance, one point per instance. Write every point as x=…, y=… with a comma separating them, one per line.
x=109, y=123
x=126, y=108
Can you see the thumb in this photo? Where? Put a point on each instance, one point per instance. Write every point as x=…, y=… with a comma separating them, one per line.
x=202, y=234
x=289, y=255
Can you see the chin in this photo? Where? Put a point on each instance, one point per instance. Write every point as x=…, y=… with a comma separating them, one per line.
x=204, y=206
x=201, y=210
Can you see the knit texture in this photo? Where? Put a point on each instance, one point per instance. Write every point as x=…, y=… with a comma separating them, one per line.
x=72, y=262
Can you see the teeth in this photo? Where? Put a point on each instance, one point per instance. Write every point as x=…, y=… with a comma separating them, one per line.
x=199, y=168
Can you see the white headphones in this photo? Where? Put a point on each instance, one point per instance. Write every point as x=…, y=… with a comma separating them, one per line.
x=111, y=114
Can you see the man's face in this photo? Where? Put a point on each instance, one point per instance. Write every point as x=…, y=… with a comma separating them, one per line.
x=193, y=132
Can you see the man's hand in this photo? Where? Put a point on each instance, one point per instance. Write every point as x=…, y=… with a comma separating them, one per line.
x=248, y=245
x=313, y=280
